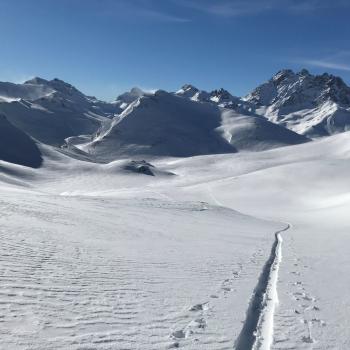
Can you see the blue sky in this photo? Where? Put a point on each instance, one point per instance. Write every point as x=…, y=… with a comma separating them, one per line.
x=105, y=47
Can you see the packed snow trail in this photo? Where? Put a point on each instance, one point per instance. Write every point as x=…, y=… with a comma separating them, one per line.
x=257, y=331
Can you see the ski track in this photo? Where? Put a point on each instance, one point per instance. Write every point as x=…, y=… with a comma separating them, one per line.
x=257, y=331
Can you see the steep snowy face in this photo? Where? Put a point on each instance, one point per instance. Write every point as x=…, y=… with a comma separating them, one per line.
x=188, y=91
x=314, y=105
x=17, y=147
x=165, y=124
x=222, y=96
x=128, y=97
x=219, y=97
x=51, y=111
x=296, y=90
x=191, y=92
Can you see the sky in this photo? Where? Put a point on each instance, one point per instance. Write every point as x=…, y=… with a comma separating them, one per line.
x=105, y=47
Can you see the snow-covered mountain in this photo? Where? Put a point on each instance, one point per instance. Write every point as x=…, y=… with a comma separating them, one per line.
x=51, y=111
x=219, y=97
x=288, y=109
x=166, y=124
x=123, y=100
x=29, y=91
x=312, y=105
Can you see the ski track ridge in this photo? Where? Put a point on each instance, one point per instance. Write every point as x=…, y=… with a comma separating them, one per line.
x=257, y=331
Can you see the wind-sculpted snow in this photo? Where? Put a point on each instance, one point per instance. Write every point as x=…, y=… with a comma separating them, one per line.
x=105, y=273
x=17, y=147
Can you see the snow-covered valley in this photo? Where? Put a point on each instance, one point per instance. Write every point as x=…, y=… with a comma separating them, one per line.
x=200, y=234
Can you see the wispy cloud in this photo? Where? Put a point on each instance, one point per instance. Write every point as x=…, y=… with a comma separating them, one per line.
x=182, y=11
x=308, y=6
x=149, y=10
x=152, y=14
x=225, y=8
x=234, y=8
x=327, y=64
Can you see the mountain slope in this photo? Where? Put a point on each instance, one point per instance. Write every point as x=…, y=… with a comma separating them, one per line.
x=165, y=124
x=51, y=111
x=255, y=133
x=17, y=147
x=128, y=97
x=31, y=90
x=312, y=105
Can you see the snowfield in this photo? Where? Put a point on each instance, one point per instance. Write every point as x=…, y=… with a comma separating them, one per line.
x=112, y=272
x=190, y=220
x=106, y=256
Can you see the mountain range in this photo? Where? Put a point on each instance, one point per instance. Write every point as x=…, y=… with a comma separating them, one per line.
x=290, y=108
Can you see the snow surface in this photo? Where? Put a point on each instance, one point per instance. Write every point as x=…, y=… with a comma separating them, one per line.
x=100, y=256
x=126, y=268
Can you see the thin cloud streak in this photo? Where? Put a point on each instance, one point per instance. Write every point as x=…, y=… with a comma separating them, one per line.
x=234, y=8
x=161, y=16
x=225, y=8
x=182, y=11
x=326, y=64
x=140, y=9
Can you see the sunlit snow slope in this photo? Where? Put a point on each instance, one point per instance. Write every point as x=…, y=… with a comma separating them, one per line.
x=164, y=124
x=106, y=256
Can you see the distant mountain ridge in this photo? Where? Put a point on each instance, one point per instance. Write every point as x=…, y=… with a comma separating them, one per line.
x=312, y=105
x=288, y=109
x=51, y=111
x=168, y=124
